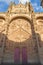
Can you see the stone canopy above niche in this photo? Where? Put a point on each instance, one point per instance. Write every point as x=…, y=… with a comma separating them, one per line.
x=20, y=8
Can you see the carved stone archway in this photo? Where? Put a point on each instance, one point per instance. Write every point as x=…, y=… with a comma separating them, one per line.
x=20, y=21
x=21, y=33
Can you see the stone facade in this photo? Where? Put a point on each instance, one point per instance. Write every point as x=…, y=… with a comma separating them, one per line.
x=21, y=27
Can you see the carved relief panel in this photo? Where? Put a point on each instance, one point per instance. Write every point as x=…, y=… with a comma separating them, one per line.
x=19, y=30
x=40, y=30
x=2, y=22
x=2, y=30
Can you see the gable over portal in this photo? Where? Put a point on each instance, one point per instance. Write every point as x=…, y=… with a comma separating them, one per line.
x=20, y=8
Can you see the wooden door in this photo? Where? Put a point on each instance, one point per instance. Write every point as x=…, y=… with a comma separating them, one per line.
x=24, y=55
x=17, y=55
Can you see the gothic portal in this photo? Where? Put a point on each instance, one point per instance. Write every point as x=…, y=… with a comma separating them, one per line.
x=21, y=35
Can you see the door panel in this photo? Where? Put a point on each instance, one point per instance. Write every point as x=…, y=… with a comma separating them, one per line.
x=17, y=55
x=24, y=55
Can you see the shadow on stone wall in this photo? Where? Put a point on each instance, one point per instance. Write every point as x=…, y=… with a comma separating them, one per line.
x=40, y=42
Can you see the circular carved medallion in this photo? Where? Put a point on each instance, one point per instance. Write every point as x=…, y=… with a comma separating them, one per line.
x=19, y=30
